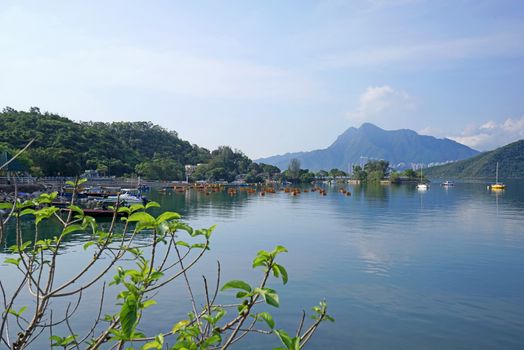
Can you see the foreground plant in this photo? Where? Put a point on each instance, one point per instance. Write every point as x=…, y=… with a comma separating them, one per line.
x=147, y=252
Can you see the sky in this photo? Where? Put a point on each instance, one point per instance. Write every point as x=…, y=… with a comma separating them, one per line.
x=270, y=77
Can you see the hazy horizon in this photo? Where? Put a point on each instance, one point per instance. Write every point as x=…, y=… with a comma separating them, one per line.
x=270, y=78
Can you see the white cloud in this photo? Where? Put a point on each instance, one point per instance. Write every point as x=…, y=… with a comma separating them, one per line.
x=431, y=131
x=491, y=134
x=173, y=72
x=65, y=59
x=377, y=103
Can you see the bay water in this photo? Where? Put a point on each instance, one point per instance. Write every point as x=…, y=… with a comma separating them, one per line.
x=399, y=268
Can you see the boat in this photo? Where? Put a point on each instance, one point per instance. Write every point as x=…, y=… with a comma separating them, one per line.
x=127, y=196
x=422, y=186
x=447, y=183
x=497, y=186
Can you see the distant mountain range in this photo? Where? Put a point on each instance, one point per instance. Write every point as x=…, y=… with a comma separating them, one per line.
x=368, y=142
x=509, y=157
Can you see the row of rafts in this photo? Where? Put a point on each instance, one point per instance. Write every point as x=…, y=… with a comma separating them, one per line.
x=233, y=191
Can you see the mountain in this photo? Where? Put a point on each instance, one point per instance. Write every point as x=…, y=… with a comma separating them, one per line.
x=509, y=157
x=395, y=146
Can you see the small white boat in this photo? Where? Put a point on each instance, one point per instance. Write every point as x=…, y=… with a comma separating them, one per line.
x=127, y=196
x=448, y=183
x=422, y=186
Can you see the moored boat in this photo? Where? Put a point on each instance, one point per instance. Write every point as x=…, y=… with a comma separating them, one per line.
x=422, y=186
x=497, y=186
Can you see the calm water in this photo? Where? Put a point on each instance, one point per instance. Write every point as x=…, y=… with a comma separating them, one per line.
x=400, y=269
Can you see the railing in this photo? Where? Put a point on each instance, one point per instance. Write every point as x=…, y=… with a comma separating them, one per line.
x=20, y=180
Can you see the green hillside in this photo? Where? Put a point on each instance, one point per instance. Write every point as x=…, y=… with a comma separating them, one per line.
x=509, y=157
x=64, y=147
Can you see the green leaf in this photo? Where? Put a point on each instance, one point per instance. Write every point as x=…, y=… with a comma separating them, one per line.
x=268, y=318
x=200, y=246
x=17, y=313
x=237, y=284
x=221, y=313
x=88, y=244
x=152, y=345
x=124, y=210
x=144, y=219
x=72, y=228
x=167, y=216
x=129, y=315
x=6, y=205
x=242, y=294
x=180, y=325
x=284, y=338
x=280, y=249
x=76, y=209
x=214, y=339
x=210, y=230
x=269, y=295
x=183, y=244
x=136, y=207
x=152, y=204
x=149, y=303
x=27, y=212
x=260, y=261
x=13, y=261
x=282, y=271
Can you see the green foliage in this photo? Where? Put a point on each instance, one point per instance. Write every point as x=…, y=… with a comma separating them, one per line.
x=336, y=173
x=411, y=174
x=373, y=171
x=359, y=173
x=63, y=147
x=509, y=157
x=379, y=167
x=293, y=170
x=394, y=177
x=225, y=164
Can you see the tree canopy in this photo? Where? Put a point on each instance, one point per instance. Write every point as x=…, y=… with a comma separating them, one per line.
x=66, y=148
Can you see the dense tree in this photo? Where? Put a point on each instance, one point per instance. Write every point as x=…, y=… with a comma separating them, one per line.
x=336, y=173
x=379, y=167
x=410, y=173
x=293, y=170
x=119, y=146
x=63, y=147
x=359, y=173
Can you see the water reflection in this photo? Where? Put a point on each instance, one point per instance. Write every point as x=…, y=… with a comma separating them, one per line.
x=400, y=269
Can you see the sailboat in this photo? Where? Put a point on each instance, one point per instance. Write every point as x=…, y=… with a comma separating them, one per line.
x=422, y=186
x=497, y=185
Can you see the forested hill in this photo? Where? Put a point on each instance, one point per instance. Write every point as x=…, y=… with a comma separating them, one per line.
x=509, y=157
x=64, y=147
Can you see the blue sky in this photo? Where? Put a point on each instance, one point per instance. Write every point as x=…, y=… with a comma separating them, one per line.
x=271, y=77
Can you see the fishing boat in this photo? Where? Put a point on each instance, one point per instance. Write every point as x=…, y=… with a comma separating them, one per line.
x=497, y=186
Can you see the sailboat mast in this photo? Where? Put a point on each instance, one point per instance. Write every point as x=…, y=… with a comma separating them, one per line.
x=497, y=174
